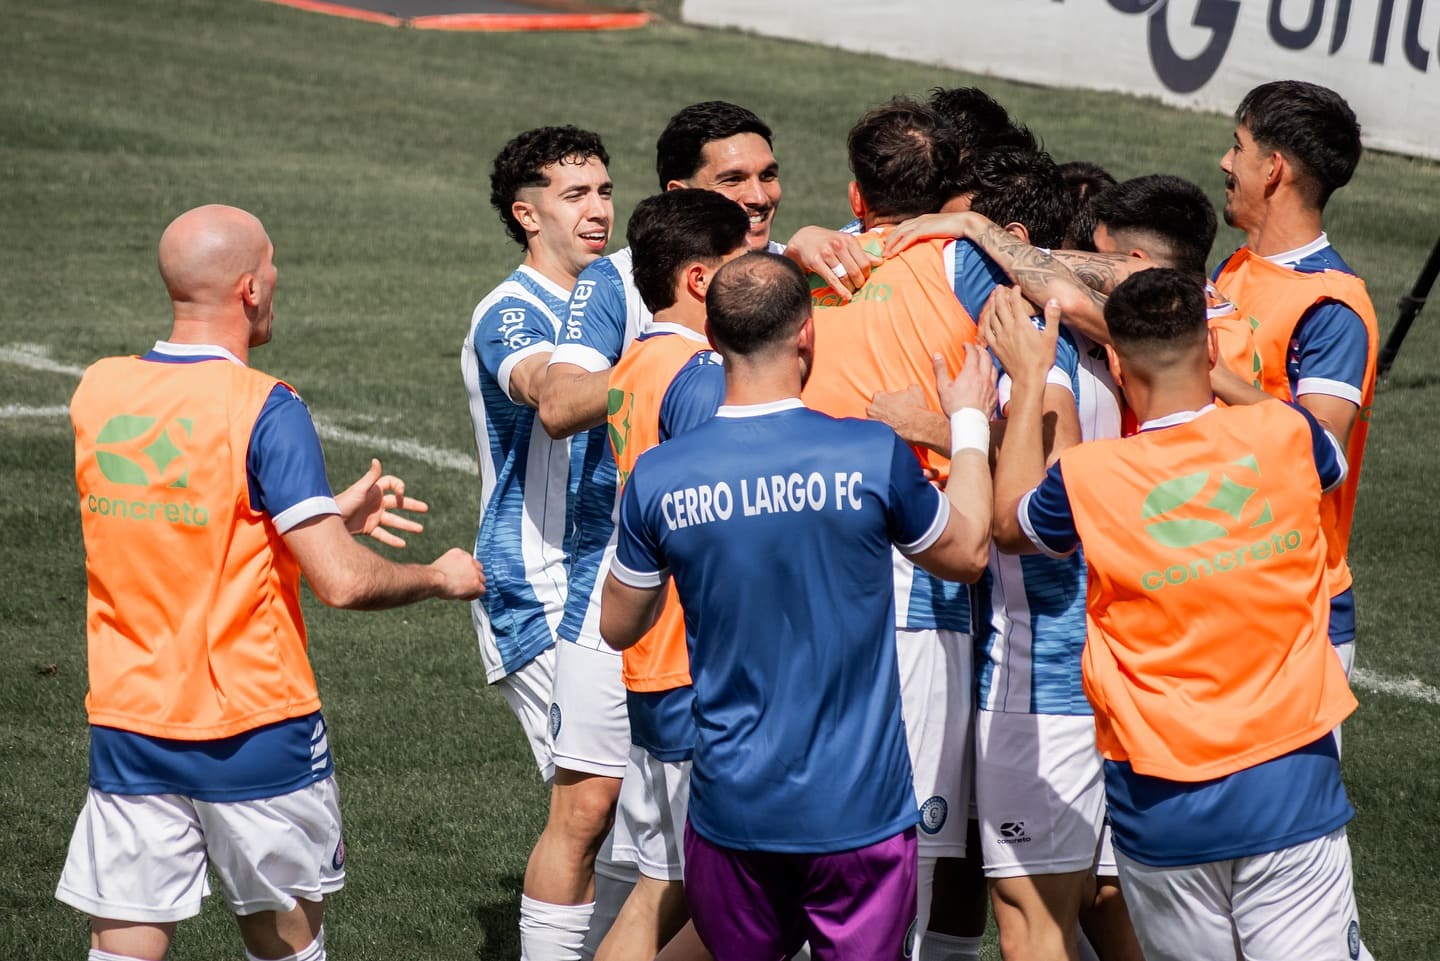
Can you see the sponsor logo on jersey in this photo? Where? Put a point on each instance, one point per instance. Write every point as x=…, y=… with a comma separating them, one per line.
x=1195, y=509
x=131, y=452
x=554, y=720
x=932, y=815
x=1013, y=832
x=822, y=295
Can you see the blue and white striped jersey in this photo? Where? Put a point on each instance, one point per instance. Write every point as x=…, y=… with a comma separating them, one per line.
x=524, y=534
x=604, y=317
x=1029, y=661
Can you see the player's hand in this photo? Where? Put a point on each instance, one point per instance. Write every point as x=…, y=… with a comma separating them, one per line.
x=911, y=417
x=1026, y=353
x=947, y=226
x=973, y=387
x=463, y=579
x=366, y=507
x=835, y=257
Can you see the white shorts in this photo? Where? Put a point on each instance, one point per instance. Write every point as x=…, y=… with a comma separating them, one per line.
x=142, y=857
x=650, y=821
x=589, y=723
x=938, y=707
x=1298, y=902
x=528, y=691
x=1041, y=793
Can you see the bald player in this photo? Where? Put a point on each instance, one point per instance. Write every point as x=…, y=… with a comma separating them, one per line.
x=207, y=745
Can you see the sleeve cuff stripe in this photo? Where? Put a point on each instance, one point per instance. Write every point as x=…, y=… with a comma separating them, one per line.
x=937, y=527
x=300, y=513
x=1330, y=388
x=637, y=579
x=1023, y=515
x=502, y=375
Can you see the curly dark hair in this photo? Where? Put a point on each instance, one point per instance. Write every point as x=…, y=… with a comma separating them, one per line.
x=521, y=163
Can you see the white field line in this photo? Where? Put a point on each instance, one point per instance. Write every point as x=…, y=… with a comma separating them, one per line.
x=37, y=357
x=1406, y=687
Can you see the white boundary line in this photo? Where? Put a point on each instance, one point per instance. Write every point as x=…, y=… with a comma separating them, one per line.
x=37, y=357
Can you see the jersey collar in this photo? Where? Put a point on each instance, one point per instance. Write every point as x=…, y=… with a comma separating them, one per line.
x=759, y=410
x=195, y=350
x=1291, y=257
x=1179, y=417
x=667, y=327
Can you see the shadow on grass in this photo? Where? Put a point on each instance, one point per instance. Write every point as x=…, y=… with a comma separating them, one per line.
x=499, y=919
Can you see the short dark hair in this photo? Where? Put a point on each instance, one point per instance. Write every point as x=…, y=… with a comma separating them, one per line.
x=1024, y=187
x=1084, y=180
x=755, y=302
x=1173, y=216
x=521, y=163
x=1158, y=311
x=901, y=153
x=980, y=125
x=680, y=148
x=1312, y=126
x=678, y=227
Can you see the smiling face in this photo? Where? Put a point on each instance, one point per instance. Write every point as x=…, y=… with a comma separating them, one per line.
x=567, y=222
x=1246, y=168
x=742, y=168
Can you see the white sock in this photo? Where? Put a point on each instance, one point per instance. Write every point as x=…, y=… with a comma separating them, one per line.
x=314, y=951
x=552, y=932
x=97, y=955
x=924, y=894
x=949, y=947
x=613, y=881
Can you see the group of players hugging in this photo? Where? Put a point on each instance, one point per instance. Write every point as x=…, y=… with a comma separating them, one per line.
x=984, y=551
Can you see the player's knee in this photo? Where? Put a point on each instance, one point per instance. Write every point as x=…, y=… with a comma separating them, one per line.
x=583, y=811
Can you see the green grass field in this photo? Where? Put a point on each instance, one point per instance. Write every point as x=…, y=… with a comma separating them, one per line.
x=366, y=151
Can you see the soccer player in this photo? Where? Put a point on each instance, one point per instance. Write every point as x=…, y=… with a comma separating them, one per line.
x=553, y=193
x=667, y=383
x=777, y=523
x=207, y=745
x=915, y=304
x=1228, y=814
x=1316, y=332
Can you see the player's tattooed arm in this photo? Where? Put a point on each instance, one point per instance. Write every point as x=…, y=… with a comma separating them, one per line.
x=1040, y=274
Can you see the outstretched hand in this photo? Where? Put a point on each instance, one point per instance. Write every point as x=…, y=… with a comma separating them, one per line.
x=835, y=257
x=973, y=387
x=366, y=507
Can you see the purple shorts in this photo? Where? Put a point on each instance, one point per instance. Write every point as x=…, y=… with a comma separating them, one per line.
x=762, y=906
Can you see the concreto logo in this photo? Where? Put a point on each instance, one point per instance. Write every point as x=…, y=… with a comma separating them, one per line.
x=822, y=296
x=1231, y=509
x=619, y=406
x=131, y=453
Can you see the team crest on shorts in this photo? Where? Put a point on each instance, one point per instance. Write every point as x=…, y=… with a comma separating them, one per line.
x=910, y=932
x=554, y=720
x=1352, y=939
x=338, y=861
x=932, y=815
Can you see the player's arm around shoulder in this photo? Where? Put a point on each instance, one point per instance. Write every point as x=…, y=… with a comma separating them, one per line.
x=512, y=339
x=963, y=548
x=577, y=381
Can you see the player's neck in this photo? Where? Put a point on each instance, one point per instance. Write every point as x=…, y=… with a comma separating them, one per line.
x=197, y=325
x=749, y=382
x=1284, y=227
x=537, y=258
x=1151, y=401
x=682, y=314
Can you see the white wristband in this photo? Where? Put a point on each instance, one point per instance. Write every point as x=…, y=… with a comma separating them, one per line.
x=969, y=430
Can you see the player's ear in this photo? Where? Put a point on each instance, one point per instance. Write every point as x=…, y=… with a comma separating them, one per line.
x=696, y=277
x=1115, y=371
x=676, y=185
x=1277, y=171
x=857, y=202
x=1212, y=343
x=525, y=214
x=249, y=290
x=1018, y=230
